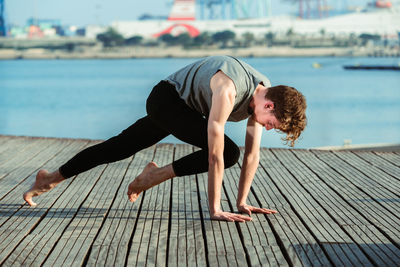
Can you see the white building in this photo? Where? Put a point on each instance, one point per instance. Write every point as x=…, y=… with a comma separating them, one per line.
x=381, y=21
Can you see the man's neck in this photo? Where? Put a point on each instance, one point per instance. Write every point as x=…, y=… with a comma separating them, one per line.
x=259, y=92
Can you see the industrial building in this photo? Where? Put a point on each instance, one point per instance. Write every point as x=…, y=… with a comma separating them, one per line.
x=239, y=16
x=383, y=18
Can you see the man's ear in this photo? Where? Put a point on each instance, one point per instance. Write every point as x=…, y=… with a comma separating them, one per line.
x=269, y=105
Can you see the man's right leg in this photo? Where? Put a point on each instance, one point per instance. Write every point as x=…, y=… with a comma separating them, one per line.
x=171, y=113
x=138, y=136
x=167, y=110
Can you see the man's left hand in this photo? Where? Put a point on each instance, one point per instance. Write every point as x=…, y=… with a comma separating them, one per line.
x=249, y=209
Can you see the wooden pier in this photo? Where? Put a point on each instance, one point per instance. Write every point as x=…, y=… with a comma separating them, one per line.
x=336, y=208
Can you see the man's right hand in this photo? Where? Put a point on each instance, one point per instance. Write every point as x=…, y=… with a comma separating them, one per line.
x=230, y=217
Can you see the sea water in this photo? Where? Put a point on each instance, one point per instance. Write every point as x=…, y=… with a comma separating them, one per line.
x=98, y=98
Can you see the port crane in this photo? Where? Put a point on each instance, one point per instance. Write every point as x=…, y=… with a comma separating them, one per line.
x=3, y=31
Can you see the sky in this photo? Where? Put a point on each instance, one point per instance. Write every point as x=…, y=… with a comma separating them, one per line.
x=84, y=12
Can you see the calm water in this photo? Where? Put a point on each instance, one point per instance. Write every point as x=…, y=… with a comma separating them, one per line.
x=99, y=98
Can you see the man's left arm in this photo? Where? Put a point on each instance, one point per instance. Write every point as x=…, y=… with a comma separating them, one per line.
x=249, y=167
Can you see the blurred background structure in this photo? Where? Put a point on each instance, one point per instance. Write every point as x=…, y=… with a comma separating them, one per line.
x=226, y=23
x=312, y=44
x=233, y=9
x=3, y=30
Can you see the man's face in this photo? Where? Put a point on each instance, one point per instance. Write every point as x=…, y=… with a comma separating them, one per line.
x=263, y=114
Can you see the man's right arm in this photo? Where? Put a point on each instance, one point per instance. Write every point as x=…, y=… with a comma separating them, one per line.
x=222, y=104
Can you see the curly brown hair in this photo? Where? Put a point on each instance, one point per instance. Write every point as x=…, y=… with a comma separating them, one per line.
x=290, y=110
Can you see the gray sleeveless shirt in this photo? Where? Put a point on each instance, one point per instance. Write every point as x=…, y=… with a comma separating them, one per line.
x=193, y=84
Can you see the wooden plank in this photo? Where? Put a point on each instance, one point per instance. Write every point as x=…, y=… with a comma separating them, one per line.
x=158, y=241
x=258, y=236
x=15, y=184
x=388, y=159
x=12, y=146
x=326, y=230
x=300, y=245
x=234, y=248
x=31, y=152
x=78, y=223
x=19, y=181
x=17, y=219
x=165, y=153
x=223, y=240
x=201, y=257
x=4, y=139
x=176, y=237
x=111, y=246
x=214, y=240
x=77, y=239
x=391, y=157
x=142, y=231
x=149, y=243
x=350, y=182
x=385, y=180
x=178, y=240
x=381, y=164
x=274, y=168
x=23, y=148
x=35, y=248
x=368, y=184
x=18, y=171
x=186, y=242
x=343, y=213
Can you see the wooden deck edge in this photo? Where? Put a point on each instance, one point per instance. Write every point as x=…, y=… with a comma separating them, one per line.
x=51, y=138
x=365, y=147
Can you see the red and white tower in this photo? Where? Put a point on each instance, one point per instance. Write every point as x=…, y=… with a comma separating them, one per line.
x=383, y=4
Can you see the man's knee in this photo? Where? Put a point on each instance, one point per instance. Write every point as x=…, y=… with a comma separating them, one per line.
x=231, y=154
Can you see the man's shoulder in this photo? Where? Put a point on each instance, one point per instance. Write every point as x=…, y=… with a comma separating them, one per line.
x=221, y=58
x=221, y=81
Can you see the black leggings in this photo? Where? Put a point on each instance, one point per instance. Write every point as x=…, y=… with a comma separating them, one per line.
x=167, y=114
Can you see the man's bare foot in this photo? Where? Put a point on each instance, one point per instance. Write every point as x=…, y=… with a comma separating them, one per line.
x=144, y=181
x=45, y=181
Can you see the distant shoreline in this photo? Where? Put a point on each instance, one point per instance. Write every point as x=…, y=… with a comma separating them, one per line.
x=176, y=52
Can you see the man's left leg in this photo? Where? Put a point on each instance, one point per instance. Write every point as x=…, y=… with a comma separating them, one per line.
x=143, y=133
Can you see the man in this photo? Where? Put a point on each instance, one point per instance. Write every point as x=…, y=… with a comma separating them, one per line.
x=193, y=104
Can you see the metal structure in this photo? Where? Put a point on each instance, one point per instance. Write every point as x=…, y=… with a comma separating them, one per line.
x=3, y=30
x=233, y=9
x=313, y=8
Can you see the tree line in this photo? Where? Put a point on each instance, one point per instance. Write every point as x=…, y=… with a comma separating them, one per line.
x=223, y=39
x=112, y=38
